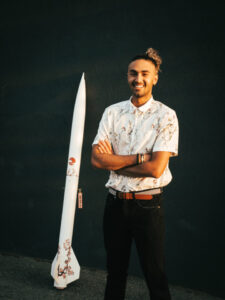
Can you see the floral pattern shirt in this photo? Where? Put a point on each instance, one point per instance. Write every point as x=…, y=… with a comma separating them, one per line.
x=145, y=129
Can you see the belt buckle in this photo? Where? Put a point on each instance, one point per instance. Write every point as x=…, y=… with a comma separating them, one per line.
x=127, y=196
x=124, y=195
x=130, y=196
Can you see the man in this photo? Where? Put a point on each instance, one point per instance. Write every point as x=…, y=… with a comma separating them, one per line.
x=135, y=140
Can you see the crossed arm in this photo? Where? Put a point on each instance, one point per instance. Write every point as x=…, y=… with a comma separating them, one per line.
x=103, y=157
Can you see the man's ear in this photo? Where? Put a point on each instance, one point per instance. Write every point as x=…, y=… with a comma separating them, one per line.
x=155, y=79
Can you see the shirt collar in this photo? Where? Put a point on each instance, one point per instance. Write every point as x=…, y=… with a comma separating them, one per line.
x=142, y=108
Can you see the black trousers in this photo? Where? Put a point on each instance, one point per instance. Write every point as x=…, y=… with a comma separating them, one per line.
x=138, y=220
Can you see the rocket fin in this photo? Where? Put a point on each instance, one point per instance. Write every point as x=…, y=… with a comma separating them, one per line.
x=65, y=269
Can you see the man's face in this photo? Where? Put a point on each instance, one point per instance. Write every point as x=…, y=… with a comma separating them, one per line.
x=142, y=75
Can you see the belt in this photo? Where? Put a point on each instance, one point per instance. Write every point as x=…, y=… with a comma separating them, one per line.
x=143, y=195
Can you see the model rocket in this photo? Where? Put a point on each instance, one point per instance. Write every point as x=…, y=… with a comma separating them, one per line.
x=65, y=267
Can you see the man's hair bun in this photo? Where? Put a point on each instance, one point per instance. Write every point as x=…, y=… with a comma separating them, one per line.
x=154, y=55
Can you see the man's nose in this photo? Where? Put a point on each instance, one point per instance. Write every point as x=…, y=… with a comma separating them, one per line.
x=138, y=78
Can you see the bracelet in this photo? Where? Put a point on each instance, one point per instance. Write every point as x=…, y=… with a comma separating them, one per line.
x=140, y=158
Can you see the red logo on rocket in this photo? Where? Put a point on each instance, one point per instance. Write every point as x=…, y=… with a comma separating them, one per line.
x=72, y=161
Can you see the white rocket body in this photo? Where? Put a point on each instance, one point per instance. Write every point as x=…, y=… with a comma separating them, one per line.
x=65, y=267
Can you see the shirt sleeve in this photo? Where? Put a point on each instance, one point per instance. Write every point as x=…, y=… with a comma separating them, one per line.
x=104, y=127
x=168, y=132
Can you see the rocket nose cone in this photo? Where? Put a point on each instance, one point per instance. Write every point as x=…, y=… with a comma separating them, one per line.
x=82, y=80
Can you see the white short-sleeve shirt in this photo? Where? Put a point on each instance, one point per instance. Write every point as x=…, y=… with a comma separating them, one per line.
x=149, y=128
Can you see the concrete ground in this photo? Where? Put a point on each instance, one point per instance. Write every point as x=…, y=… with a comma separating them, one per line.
x=23, y=278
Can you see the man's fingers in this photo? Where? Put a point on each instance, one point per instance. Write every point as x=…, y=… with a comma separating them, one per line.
x=104, y=146
x=108, y=145
x=100, y=150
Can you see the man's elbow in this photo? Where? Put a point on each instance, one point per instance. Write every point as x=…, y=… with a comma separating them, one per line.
x=157, y=173
x=99, y=165
x=95, y=163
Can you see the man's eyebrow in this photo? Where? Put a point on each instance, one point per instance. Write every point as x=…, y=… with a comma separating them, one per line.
x=143, y=71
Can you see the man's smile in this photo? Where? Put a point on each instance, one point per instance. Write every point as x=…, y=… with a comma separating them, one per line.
x=138, y=85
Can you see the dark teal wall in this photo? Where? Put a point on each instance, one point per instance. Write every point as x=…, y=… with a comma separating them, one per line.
x=44, y=50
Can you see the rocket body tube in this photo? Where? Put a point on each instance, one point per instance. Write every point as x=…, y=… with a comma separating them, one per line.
x=65, y=267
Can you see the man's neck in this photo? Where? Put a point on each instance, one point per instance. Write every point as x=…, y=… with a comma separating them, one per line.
x=139, y=101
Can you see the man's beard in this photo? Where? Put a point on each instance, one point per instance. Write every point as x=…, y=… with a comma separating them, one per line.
x=137, y=95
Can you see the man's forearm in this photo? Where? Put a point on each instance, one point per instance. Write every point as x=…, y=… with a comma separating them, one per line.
x=152, y=168
x=144, y=170
x=112, y=161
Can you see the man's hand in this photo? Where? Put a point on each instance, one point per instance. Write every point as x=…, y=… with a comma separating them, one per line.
x=105, y=147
